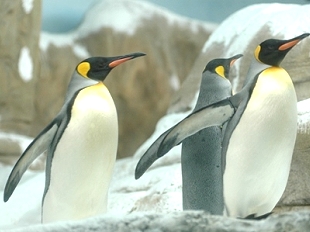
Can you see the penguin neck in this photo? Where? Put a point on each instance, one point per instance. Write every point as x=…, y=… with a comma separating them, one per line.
x=77, y=82
x=213, y=88
x=255, y=68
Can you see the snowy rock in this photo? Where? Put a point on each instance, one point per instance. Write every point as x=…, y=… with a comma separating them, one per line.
x=142, y=88
x=19, y=54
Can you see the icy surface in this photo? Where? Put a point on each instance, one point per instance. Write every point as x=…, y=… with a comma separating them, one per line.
x=25, y=64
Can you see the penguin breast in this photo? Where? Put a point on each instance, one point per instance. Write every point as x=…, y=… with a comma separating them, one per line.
x=84, y=157
x=261, y=146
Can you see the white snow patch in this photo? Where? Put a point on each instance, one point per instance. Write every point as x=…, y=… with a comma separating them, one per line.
x=58, y=40
x=25, y=64
x=174, y=82
x=126, y=16
x=27, y=5
x=80, y=51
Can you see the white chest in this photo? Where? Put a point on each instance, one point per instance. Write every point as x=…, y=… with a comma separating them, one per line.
x=261, y=146
x=84, y=158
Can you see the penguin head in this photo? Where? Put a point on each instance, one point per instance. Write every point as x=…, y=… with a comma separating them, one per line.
x=97, y=68
x=273, y=51
x=221, y=66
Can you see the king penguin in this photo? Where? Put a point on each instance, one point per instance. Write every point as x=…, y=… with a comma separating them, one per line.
x=202, y=179
x=259, y=138
x=81, y=144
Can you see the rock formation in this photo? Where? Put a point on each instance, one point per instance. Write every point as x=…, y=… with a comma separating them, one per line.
x=19, y=65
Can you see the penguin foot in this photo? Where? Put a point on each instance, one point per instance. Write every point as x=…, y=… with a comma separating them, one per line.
x=252, y=216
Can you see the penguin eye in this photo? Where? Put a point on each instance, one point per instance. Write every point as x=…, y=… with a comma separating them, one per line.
x=271, y=47
x=99, y=66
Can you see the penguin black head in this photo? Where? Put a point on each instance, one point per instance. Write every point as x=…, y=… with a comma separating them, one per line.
x=273, y=51
x=97, y=68
x=221, y=66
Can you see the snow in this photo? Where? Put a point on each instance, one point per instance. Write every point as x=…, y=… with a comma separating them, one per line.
x=27, y=5
x=63, y=40
x=174, y=82
x=25, y=64
x=126, y=18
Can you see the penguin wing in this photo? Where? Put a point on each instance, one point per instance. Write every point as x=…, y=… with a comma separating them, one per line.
x=36, y=148
x=212, y=115
x=150, y=156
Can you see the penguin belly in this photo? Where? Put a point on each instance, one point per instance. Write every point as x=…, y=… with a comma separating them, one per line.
x=83, y=160
x=201, y=169
x=261, y=146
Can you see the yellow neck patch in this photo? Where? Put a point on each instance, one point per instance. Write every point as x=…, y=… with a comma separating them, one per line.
x=220, y=70
x=83, y=69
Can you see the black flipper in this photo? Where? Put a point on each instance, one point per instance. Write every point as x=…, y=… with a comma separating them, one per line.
x=36, y=148
x=252, y=216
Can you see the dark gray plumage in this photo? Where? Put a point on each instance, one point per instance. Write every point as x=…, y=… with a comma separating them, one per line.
x=201, y=159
